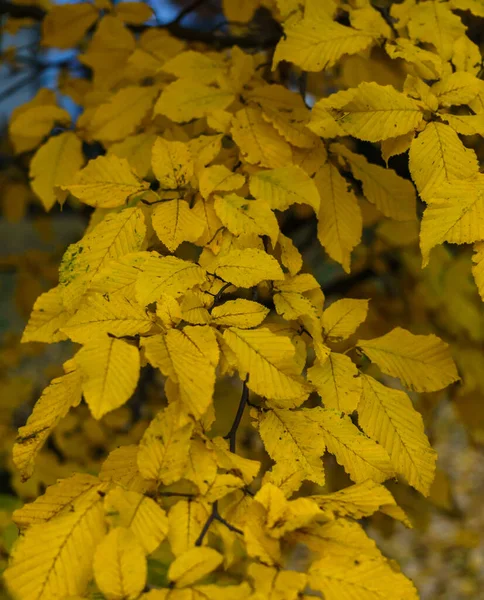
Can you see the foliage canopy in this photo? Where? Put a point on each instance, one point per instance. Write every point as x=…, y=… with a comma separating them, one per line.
x=198, y=152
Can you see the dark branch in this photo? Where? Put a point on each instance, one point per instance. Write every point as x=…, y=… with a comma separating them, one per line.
x=262, y=35
x=232, y=434
x=215, y=516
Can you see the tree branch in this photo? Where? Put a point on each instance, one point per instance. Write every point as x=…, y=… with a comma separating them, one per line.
x=232, y=434
x=262, y=35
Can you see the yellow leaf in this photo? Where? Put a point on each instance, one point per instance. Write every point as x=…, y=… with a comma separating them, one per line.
x=241, y=313
x=193, y=565
x=339, y=216
x=343, y=317
x=378, y=112
x=246, y=268
x=230, y=461
x=454, y=215
x=393, y=195
x=369, y=20
x=258, y=141
x=166, y=275
x=121, y=467
x=466, y=124
x=268, y=359
x=185, y=99
x=361, y=457
x=438, y=156
x=163, y=450
x=435, y=23
x=356, y=501
x=467, y=56
x=54, y=403
x=142, y=515
x=122, y=114
x=120, y=566
x=239, y=10
x=290, y=256
x=359, y=576
x=284, y=186
x=258, y=543
x=186, y=520
x=134, y=13
x=47, y=318
x=336, y=382
x=194, y=308
x=422, y=362
x=457, y=88
x=172, y=163
x=244, y=217
x=65, y=26
x=196, y=66
x=100, y=314
x=46, y=562
x=118, y=277
x=28, y=128
x=388, y=416
x=397, y=145
x=294, y=441
x=110, y=371
x=136, y=149
x=315, y=44
x=218, y=178
x=175, y=223
x=55, y=163
x=194, y=355
x=427, y=64
x=292, y=305
x=57, y=499
x=106, y=182
x=274, y=583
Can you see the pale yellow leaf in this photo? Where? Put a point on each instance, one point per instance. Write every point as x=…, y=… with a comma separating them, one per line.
x=197, y=66
x=110, y=371
x=218, y=178
x=166, y=275
x=175, y=223
x=393, y=195
x=106, y=182
x=315, y=44
x=361, y=457
x=99, y=314
x=57, y=398
x=377, y=112
x=246, y=268
x=294, y=441
x=136, y=149
x=172, y=163
x=342, y=318
x=163, y=450
x=435, y=23
x=339, y=217
x=193, y=565
x=290, y=256
x=122, y=114
x=388, y=416
x=28, y=128
x=457, y=88
x=46, y=562
x=244, y=217
x=194, y=355
x=239, y=313
x=134, y=13
x=141, y=514
x=65, y=26
x=438, y=156
x=120, y=566
x=55, y=163
x=258, y=141
x=186, y=520
x=422, y=362
x=47, y=318
x=185, y=99
x=268, y=359
x=336, y=382
x=121, y=467
x=454, y=215
x=285, y=186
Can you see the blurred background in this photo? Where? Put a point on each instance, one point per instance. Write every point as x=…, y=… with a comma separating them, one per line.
x=444, y=552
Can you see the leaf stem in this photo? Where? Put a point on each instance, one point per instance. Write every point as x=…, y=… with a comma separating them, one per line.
x=232, y=434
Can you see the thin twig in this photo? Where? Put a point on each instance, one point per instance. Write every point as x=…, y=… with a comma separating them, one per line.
x=232, y=434
x=218, y=295
x=215, y=516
